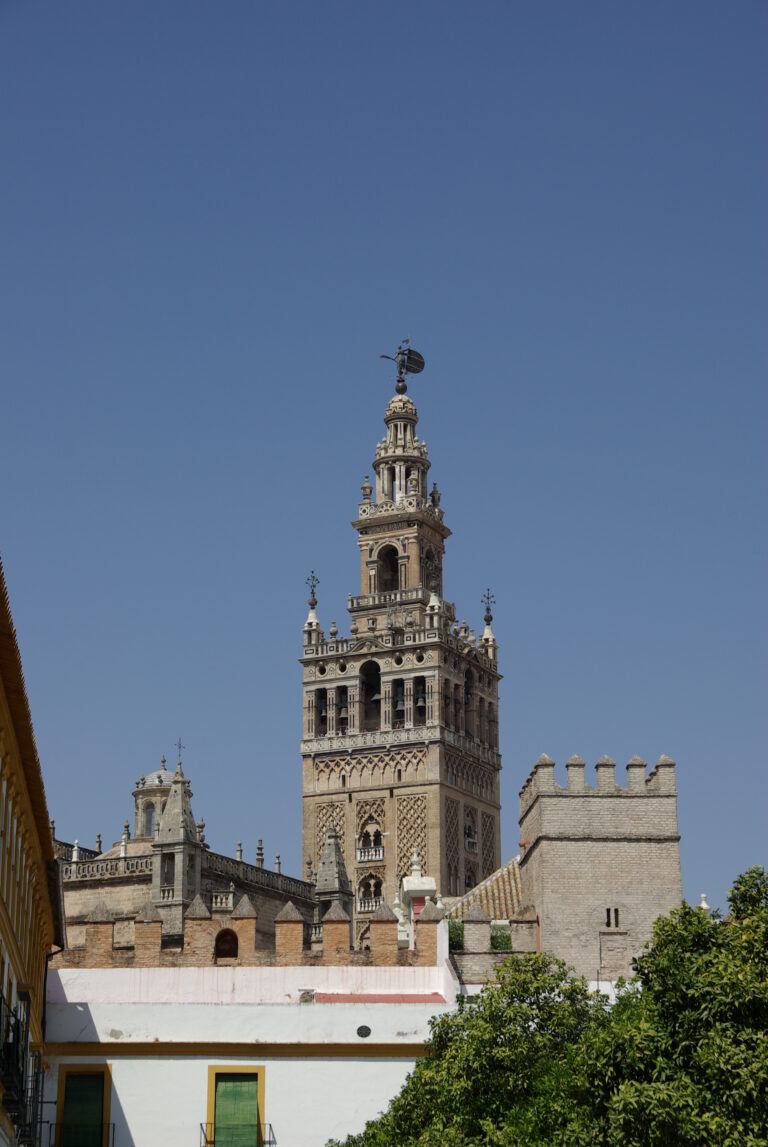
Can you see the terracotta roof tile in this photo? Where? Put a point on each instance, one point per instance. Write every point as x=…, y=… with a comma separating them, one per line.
x=499, y=895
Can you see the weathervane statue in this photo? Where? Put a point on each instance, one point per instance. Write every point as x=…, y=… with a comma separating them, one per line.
x=408, y=361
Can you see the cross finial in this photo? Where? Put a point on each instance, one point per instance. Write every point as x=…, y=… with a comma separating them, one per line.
x=179, y=746
x=313, y=581
x=488, y=600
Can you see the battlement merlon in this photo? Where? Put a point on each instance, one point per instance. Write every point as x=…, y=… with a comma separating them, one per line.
x=660, y=782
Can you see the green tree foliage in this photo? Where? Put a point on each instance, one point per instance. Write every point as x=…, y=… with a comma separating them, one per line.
x=680, y=1059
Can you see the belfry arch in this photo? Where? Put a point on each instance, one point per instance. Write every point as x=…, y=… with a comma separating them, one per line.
x=387, y=569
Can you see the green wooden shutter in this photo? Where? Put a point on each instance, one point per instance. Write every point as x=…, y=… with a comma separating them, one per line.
x=237, y=1111
x=83, y=1111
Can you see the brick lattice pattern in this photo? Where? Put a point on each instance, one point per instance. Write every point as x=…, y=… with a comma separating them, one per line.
x=487, y=835
x=411, y=833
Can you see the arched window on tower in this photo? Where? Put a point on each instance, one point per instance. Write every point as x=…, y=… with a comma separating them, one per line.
x=226, y=945
x=370, y=842
x=493, y=727
x=149, y=819
x=369, y=893
x=387, y=575
x=447, y=715
x=470, y=830
x=168, y=869
x=482, y=730
x=370, y=696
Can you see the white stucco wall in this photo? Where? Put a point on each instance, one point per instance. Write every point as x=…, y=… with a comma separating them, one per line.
x=162, y=1099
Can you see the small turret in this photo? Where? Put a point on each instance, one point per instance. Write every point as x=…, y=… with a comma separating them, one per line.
x=332, y=885
x=176, y=850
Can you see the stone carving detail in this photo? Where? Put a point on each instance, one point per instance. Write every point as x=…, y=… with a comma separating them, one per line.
x=452, y=833
x=411, y=833
x=362, y=933
x=488, y=845
x=370, y=769
x=468, y=775
x=370, y=872
x=324, y=816
x=365, y=809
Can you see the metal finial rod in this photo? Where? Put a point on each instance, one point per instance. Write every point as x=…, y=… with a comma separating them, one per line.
x=179, y=746
x=488, y=600
x=313, y=581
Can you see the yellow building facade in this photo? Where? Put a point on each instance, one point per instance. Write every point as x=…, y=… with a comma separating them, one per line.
x=30, y=902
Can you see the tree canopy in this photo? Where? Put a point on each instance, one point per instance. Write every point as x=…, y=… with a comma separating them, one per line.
x=681, y=1058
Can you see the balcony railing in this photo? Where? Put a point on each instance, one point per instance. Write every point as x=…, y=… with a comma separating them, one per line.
x=104, y=869
x=376, y=852
x=237, y=1135
x=369, y=903
x=82, y=1135
x=470, y=843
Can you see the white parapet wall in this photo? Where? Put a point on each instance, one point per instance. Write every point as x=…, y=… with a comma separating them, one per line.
x=332, y=1045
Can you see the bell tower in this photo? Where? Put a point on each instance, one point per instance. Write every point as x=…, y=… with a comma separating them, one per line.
x=400, y=730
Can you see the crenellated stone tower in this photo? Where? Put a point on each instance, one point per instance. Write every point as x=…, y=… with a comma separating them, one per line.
x=400, y=732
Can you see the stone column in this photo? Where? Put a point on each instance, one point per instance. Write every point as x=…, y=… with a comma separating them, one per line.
x=353, y=705
x=331, y=703
x=409, y=702
x=386, y=704
x=431, y=683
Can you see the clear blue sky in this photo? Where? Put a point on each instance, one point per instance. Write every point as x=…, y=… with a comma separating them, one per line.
x=215, y=217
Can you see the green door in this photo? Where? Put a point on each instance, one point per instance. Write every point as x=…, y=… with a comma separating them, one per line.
x=236, y=1111
x=83, y=1111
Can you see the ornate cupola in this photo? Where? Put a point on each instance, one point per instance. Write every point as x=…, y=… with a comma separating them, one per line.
x=400, y=737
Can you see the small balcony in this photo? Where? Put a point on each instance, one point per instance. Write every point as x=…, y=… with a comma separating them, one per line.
x=81, y=1135
x=369, y=903
x=470, y=844
x=237, y=1135
x=373, y=852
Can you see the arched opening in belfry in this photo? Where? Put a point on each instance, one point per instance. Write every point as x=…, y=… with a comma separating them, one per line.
x=370, y=696
x=149, y=820
x=419, y=700
x=493, y=727
x=469, y=703
x=447, y=714
x=342, y=714
x=388, y=577
x=398, y=703
x=226, y=945
x=321, y=708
